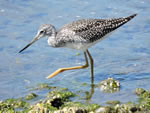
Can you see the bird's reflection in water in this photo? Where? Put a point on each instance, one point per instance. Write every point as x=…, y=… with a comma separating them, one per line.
x=91, y=92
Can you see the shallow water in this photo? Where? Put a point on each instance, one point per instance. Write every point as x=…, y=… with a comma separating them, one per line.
x=125, y=55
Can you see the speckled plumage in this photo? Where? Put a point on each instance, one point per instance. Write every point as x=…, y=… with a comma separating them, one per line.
x=80, y=34
x=87, y=31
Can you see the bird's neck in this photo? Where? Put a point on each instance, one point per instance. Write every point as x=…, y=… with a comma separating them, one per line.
x=52, y=38
x=54, y=32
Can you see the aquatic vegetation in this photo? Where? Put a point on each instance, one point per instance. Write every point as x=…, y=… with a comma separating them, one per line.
x=86, y=106
x=41, y=107
x=43, y=86
x=128, y=108
x=77, y=54
x=17, y=103
x=31, y=96
x=84, y=84
x=71, y=110
x=64, y=95
x=11, y=105
x=144, y=97
x=113, y=102
x=60, y=100
x=143, y=106
x=121, y=108
x=139, y=91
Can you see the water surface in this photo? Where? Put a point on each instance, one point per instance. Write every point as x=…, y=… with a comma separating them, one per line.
x=125, y=55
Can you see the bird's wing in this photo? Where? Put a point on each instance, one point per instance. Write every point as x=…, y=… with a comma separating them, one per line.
x=90, y=30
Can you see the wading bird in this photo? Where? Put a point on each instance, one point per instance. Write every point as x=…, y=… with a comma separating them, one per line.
x=80, y=35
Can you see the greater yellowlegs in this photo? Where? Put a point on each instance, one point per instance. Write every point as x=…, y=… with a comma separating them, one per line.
x=79, y=35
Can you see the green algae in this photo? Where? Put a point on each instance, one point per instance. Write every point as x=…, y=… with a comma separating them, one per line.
x=144, y=97
x=11, y=105
x=121, y=108
x=143, y=105
x=84, y=84
x=42, y=86
x=17, y=103
x=86, y=106
x=59, y=100
x=31, y=96
x=139, y=91
x=113, y=102
x=41, y=107
x=77, y=54
x=64, y=95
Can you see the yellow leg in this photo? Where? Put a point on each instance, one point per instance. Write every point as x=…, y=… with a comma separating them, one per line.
x=70, y=68
x=92, y=67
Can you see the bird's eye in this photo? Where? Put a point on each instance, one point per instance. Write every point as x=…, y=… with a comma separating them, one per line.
x=41, y=32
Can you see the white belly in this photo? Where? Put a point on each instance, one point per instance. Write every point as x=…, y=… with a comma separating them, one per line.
x=84, y=46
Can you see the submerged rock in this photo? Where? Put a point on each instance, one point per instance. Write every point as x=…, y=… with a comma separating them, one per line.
x=104, y=110
x=124, y=108
x=128, y=108
x=71, y=110
x=109, y=85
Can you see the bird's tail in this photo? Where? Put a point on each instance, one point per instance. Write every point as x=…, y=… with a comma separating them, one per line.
x=130, y=17
x=117, y=22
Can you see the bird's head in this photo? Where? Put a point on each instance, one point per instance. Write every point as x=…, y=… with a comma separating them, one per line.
x=44, y=30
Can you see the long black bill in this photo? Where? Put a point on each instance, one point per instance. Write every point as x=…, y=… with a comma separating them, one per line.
x=34, y=40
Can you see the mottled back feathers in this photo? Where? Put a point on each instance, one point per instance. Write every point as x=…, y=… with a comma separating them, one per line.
x=90, y=30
